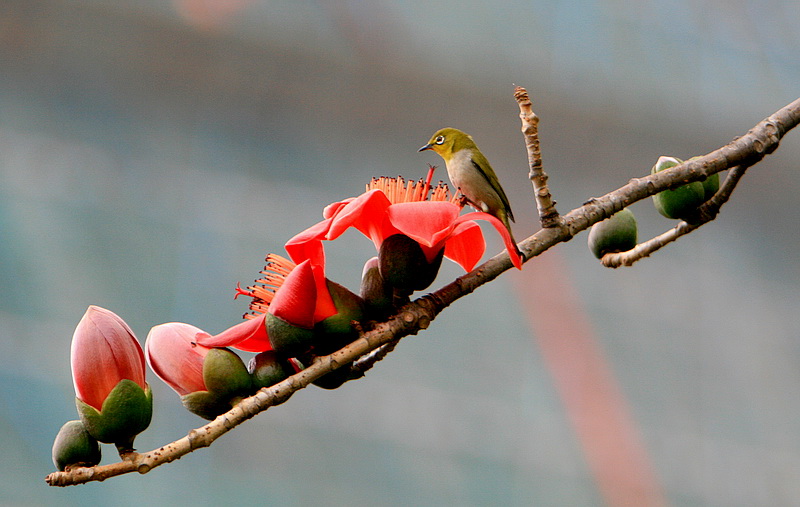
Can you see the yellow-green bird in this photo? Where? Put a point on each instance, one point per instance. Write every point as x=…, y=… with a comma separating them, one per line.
x=471, y=174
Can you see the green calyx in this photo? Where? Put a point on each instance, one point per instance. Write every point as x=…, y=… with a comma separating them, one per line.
x=681, y=202
x=227, y=381
x=125, y=413
x=336, y=331
x=225, y=374
x=403, y=264
x=376, y=293
x=286, y=338
x=618, y=233
x=74, y=446
x=206, y=404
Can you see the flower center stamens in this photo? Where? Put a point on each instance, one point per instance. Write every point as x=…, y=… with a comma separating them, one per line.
x=264, y=288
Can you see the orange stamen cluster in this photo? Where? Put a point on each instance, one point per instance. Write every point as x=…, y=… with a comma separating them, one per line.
x=398, y=190
x=264, y=289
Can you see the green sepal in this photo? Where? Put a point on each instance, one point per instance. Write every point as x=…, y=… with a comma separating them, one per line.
x=206, y=404
x=681, y=202
x=225, y=374
x=227, y=381
x=125, y=413
x=403, y=264
x=75, y=446
x=618, y=233
x=267, y=369
x=336, y=331
x=287, y=338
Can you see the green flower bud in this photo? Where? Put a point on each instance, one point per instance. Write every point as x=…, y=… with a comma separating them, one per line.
x=125, y=413
x=618, y=233
x=267, y=369
x=710, y=185
x=75, y=446
x=681, y=202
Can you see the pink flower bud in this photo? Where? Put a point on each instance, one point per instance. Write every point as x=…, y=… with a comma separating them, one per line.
x=104, y=351
x=175, y=356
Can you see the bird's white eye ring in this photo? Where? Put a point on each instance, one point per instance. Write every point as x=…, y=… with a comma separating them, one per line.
x=439, y=140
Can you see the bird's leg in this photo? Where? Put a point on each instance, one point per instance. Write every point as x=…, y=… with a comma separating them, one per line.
x=463, y=200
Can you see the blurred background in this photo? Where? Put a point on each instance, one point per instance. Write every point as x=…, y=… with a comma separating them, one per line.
x=153, y=152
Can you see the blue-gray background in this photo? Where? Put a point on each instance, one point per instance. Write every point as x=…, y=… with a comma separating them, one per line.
x=151, y=153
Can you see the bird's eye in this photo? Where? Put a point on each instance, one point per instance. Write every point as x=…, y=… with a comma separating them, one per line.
x=439, y=140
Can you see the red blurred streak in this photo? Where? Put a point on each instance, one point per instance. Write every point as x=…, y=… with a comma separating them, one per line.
x=209, y=15
x=594, y=403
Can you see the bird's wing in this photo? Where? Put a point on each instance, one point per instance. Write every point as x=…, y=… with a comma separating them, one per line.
x=491, y=179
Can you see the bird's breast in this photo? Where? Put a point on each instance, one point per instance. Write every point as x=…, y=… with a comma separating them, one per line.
x=459, y=167
x=467, y=179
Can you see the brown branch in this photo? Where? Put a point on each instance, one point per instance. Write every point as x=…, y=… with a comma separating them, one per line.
x=410, y=320
x=417, y=315
x=707, y=212
x=548, y=215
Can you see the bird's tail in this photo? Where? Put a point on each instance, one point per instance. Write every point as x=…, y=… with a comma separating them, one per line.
x=504, y=218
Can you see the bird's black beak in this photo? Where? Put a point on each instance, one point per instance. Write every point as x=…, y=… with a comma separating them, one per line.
x=426, y=147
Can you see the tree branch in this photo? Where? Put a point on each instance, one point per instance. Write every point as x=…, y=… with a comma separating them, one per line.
x=548, y=215
x=705, y=213
x=417, y=315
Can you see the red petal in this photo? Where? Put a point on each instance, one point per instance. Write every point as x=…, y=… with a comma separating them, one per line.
x=366, y=213
x=175, y=357
x=308, y=244
x=429, y=223
x=325, y=306
x=516, y=260
x=333, y=208
x=250, y=336
x=104, y=351
x=466, y=245
x=296, y=299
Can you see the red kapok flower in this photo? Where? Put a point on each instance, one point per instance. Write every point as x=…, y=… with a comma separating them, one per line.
x=288, y=302
x=390, y=207
x=104, y=351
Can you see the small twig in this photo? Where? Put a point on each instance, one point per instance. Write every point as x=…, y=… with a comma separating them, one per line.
x=707, y=212
x=366, y=362
x=548, y=215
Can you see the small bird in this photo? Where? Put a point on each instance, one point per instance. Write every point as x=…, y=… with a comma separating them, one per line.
x=471, y=174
